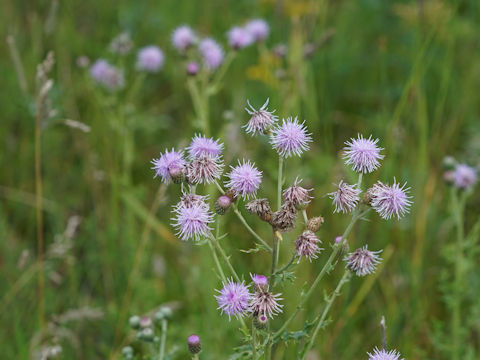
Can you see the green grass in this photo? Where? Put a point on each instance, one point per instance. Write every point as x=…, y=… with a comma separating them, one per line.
x=409, y=79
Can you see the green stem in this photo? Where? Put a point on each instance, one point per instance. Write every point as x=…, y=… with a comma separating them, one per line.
x=275, y=252
x=161, y=353
x=279, y=182
x=217, y=262
x=305, y=217
x=195, y=357
x=254, y=342
x=345, y=278
x=225, y=257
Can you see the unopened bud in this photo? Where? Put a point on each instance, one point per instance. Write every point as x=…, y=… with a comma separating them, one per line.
x=314, y=223
x=127, y=352
x=222, y=204
x=177, y=174
x=192, y=68
x=449, y=162
x=147, y=334
x=260, y=282
x=194, y=344
x=260, y=322
x=134, y=322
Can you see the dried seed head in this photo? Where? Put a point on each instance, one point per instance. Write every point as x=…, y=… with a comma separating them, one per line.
x=297, y=195
x=260, y=207
x=363, y=261
x=315, y=223
x=265, y=303
x=284, y=219
x=307, y=245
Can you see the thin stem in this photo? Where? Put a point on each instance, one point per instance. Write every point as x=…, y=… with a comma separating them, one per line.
x=305, y=217
x=275, y=252
x=195, y=357
x=161, y=352
x=345, y=278
x=254, y=342
x=279, y=182
x=225, y=258
x=287, y=266
x=383, y=325
x=217, y=262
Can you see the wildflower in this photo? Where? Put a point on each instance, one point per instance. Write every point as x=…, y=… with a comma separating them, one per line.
x=383, y=355
x=258, y=28
x=201, y=145
x=189, y=200
x=194, y=344
x=264, y=302
x=345, y=198
x=260, y=282
x=297, y=195
x=363, y=154
x=83, y=61
x=169, y=164
x=363, y=261
x=389, y=201
x=212, y=53
x=107, y=75
x=284, y=219
x=290, y=138
x=134, y=322
x=222, y=204
x=150, y=59
x=192, y=222
x=244, y=179
x=464, y=176
x=280, y=50
x=233, y=298
x=261, y=121
x=192, y=68
x=239, y=37
x=260, y=207
x=182, y=38
x=307, y=245
x=122, y=44
x=204, y=170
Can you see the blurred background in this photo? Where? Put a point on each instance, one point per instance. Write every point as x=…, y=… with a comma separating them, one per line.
x=407, y=72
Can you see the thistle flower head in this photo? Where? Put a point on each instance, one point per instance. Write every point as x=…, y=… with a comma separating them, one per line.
x=261, y=121
x=290, y=138
x=222, y=204
x=389, y=201
x=363, y=154
x=297, y=195
x=182, y=38
x=363, y=261
x=167, y=164
x=212, y=53
x=194, y=344
x=201, y=145
x=192, y=68
x=189, y=200
x=307, y=245
x=265, y=303
x=345, y=198
x=284, y=219
x=260, y=207
x=383, y=355
x=244, y=179
x=107, y=75
x=150, y=59
x=192, y=222
x=258, y=28
x=260, y=282
x=233, y=298
x=239, y=37
x=464, y=176
x=121, y=44
x=204, y=170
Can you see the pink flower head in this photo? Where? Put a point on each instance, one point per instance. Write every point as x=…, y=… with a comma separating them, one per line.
x=363, y=154
x=192, y=222
x=239, y=37
x=201, y=145
x=244, y=179
x=265, y=303
x=168, y=163
x=297, y=195
x=204, y=170
x=107, y=75
x=307, y=245
x=182, y=38
x=212, y=53
x=233, y=298
x=345, y=198
x=363, y=261
x=261, y=121
x=383, y=355
x=389, y=201
x=258, y=28
x=291, y=138
x=260, y=282
x=464, y=176
x=150, y=59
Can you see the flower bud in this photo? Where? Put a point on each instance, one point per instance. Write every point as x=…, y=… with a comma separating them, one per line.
x=192, y=68
x=145, y=322
x=222, y=204
x=147, y=334
x=314, y=223
x=194, y=344
x=260, y=282
x=127, y=352
x=260, y=322
x=449, y=162
x=177, y=174
x=134, y=322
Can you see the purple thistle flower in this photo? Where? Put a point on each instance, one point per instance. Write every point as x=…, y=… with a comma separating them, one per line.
x=291, y=138
x=194, y=344
x=260, y=282
x=204, y=170
x=464, y=176
x=107, y=75
x=363, y=154
x=258, y=28
x=239, y=37
x=192, y=68
x=297, y=195
x=345, y=198
x=261, y=121
x=363, y=261
x=182, y=38
x=265, y=303
x=244, y=179
x=383, y=355
x=201, y=145
x=192, y=221
x=150, y=59
x=233, y=298
x=212, y=53
x=389, y=201
x=168, y=163
x=307, y=245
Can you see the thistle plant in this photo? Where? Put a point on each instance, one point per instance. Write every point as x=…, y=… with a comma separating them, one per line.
x=254, y=300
